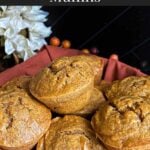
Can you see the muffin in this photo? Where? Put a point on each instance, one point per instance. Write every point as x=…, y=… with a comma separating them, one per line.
x=95, y=62
x=23, y=120
x=72, y=105
x=133, y=86
x=96, y=99
x=60, y=85
x=69, y=133
x=123, y=123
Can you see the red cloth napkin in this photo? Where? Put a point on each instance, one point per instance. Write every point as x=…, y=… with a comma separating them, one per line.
x=113, y=69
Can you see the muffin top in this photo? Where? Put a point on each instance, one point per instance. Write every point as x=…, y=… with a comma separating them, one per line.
x=21, y=82
x=124, y=122
x=130, y=86
x=23, y=120
x=95, y=62
x=65, y=77
x=71, y=133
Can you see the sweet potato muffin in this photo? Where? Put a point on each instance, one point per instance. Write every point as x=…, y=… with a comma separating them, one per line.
x=124, y=123
x=95, y=62
x=23, y=120
x=21, y=82
x=69, y=133
x=133, y=86
x=96, y=99
x=73, y=105
x=62, y=83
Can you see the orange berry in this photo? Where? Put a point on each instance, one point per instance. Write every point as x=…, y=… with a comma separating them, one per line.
x=86, y=51
x=114, y=56
x=54, y=41
x=66, y=44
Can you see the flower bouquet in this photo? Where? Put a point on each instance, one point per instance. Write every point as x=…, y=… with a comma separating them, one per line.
x=22, y=31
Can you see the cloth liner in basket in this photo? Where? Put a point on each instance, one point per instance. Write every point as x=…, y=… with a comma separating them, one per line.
x=113, y=69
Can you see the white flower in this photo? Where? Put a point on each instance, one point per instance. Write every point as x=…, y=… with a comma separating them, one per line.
x=15, y=19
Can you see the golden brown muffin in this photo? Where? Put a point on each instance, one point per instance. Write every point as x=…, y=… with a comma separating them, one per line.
x=60, y=85
x=23, y=120
x=69, y=133
x=95, y=62
x=96, y=99
x=21, y=82
x=73, y=105
x=133, y=86
x=124, y=123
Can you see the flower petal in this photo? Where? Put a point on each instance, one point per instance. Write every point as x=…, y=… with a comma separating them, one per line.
x=25, y=9
x=17, y=23
x=34, y=36
x=25, y=57
x=20, y=43
x=36, y=16
x=4, y=22
x=28, y=53
x=9, y=48
x=41, y=29
x=3, y=8
x=10, y=33
x=14, y=10
x=36, y=7
x=36, y=44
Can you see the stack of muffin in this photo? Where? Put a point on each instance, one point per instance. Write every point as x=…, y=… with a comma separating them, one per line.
x=72, y=90
x=67, y=87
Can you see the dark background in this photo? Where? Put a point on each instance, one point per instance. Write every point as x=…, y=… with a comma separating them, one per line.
x=121, y=30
